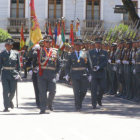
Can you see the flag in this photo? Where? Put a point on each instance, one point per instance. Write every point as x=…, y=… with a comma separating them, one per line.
x=55, y=33
x=50, y=30
x=35, y=32
x=59, y=41
x=22, y=41
x=77, y=29
x=71, y=34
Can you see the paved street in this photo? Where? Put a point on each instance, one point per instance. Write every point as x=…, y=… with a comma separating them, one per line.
x=118, y=119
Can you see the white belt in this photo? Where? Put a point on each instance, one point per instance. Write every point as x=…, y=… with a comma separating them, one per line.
x=81, y=68
x=49, y=68
x=9, y=68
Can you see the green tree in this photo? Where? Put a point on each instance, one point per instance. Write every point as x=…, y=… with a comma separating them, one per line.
x=4, y=35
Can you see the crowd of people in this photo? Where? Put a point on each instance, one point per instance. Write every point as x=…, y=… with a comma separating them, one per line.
x=102, y=68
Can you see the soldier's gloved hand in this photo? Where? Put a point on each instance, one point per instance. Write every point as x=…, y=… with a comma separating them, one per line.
x=67, y=77
x=30, y=72
x=109, y=61
x=17, y=77
x=96, y=68
x=134, y=71
x=118, y=61
x=125, y=62
x=89, y=78
x=57, y=77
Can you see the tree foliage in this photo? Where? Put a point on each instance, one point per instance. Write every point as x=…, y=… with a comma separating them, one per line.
x=4, y=35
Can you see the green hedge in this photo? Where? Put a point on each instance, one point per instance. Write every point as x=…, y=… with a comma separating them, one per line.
x=4, y=35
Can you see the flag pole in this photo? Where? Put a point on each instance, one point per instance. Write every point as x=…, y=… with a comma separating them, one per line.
x=29, y=19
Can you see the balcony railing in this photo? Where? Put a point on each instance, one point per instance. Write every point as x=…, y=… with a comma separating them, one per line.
x=14, y=24
x=86, y=25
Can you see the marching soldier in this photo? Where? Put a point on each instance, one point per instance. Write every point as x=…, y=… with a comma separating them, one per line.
x=76, y=69
x=49, y=66
x=34, y=69
x=9, y=67
x=98, y=61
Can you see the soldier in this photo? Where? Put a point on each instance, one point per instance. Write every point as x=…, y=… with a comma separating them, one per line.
x=49, y=66
x=127, y=69
x=137, y=70
x=76, y=68
x=98, y=61
x=112, y=70
x=35, y=69
x=9, y=66
x=120, y=68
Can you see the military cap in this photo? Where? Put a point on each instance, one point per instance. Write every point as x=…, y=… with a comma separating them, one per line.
x=98, y=40
x=78, y=42
x=121, y=41
x=41, y=43
x=37, y=46
x=114, y=45
x=9, y=41
x=128, y=41
x=47, y=38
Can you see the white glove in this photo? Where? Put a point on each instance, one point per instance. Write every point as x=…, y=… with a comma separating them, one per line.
x=134, y=71
x=133, y=61
x=125, y=62
x=109, y=61
x=67, y=77
x=57, y=77
x=17, y=77
x=30, y=72
x=118, y=61
x=89, y=78
x=96, y=68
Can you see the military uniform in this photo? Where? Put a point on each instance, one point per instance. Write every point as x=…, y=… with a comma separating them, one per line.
x=137, y=68
x=9, y=66
x=49, y=66
x=76, y=68
x=34, y=68
x=112, y=71
x=98, y=61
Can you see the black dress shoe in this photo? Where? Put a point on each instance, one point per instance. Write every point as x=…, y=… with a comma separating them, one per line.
x=50, y=108
x=94, y=107
x=11, y=105
x=42, y=112
x=6, y=110
x=99, y=102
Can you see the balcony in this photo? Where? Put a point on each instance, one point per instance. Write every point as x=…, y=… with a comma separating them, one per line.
x=14, y=25
x=86, y=25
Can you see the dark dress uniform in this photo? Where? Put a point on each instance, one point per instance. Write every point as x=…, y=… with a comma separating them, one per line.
x=137, y=68
x=97, y=59
x=35, y=68
x=77, y=70
x=47, y=80
x=9, y=66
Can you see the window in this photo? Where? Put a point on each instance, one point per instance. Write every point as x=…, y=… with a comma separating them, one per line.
x=93, y=9
x=55, y=9
x=17, y=8
x=126, y=16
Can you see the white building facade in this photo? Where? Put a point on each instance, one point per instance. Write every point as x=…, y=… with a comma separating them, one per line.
x=90, y=13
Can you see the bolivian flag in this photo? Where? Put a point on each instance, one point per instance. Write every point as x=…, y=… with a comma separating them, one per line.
x=22, y=41
x=35, y=32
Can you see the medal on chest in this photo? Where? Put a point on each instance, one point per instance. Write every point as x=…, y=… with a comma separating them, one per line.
x=78, y=57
